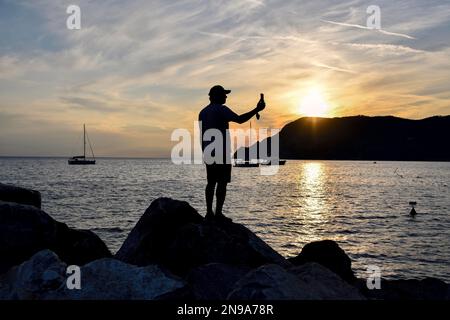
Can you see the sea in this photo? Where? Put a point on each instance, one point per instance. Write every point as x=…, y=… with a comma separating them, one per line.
x=363, y=205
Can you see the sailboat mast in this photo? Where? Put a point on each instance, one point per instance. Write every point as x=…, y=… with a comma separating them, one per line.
x=84, y=140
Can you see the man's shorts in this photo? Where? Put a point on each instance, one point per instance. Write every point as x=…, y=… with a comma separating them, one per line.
x=218, y=172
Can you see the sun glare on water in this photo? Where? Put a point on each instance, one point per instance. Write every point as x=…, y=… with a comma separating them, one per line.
x=314, y=104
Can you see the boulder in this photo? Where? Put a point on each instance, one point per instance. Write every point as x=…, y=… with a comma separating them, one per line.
x=37, y=278
x=15, y=194
x=173, y=234
x=26, y=230
x=110, y=279
x=228, y=243
x=413, y=289
x=308, y=282
x=43, y=277
x=214, y=281
x=269, y=282
x=325, y=284
x=77, y=246
x=155, y=230
x=328, y=254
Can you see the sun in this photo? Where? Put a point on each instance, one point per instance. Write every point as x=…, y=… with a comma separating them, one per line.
x=314, y=104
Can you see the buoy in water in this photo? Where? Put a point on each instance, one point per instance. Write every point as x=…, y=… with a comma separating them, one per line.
x=413, y=211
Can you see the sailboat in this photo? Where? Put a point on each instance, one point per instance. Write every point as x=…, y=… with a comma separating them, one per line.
x=239, y=163
x=82, y=159
x=280, y=162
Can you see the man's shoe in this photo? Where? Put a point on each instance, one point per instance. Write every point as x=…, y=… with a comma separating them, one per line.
x=220, y=217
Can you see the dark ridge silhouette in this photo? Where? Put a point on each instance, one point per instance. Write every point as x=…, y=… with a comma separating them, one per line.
x=365, y=138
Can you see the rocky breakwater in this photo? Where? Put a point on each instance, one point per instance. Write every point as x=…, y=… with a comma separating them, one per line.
x=173, y=253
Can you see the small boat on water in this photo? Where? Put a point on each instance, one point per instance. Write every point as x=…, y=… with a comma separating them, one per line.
x=269, y=162
x=242, y=163
x=81, y=160
x=245, y=164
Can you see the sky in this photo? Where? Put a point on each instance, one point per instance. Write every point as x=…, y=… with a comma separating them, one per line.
x=137, y=70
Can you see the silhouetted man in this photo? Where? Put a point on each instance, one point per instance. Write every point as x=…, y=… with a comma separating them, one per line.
x=217, y=116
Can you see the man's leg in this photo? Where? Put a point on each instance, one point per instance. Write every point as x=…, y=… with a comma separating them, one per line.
x=221, y=192
x=209, y=194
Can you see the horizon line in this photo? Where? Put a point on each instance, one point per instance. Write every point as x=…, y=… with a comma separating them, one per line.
x=378, y=116
x=100, y=157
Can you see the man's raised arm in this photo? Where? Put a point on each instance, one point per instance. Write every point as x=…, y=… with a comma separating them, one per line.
x=248, y=115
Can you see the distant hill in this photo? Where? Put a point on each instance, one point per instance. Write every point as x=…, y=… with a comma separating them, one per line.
x=366, y=138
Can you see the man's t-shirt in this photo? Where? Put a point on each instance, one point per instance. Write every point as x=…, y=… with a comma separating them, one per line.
x=217, y=116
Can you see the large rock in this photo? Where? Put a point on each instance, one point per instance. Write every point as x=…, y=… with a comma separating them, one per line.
x=325, y=283
x=155, y=231
x=173, y=234
x=228, y=243
x=308, y=282
x=214, y=281
x=110, y=279
x=37, y=278
x=10, y=193
x=26, y=230
x=330, y=255
x=44, y=277
x=413, y=289
x=269, y=282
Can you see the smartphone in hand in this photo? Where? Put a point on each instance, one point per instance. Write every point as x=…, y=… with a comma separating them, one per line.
x=261, y=100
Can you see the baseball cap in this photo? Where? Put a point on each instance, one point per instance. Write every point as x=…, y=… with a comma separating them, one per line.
x=218, y=90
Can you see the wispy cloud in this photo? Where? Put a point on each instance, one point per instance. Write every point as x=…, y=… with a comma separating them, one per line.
x=385, y=48
x=367, y=28
x=89, y=104
x=138, y=69
x=322, y=65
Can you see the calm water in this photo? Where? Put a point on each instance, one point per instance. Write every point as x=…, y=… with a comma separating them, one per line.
x=361, y=205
